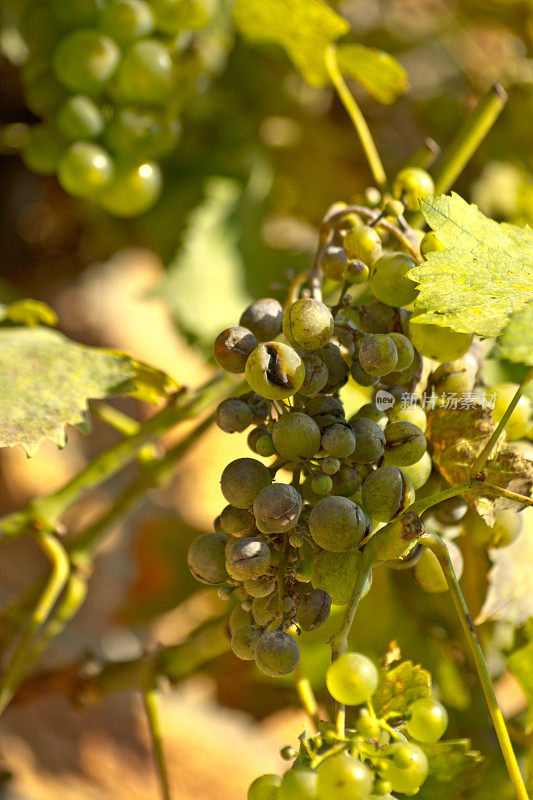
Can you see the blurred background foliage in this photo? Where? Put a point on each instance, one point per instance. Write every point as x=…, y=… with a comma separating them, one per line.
x=261, y=157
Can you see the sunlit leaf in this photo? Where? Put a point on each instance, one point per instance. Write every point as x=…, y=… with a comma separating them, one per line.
x=381, y=74
x=452, y=767
x=516, y=342
x=401, y=686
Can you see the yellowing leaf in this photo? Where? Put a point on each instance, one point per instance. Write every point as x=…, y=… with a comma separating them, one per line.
x=516, y=342
x=483, y=276
x=452, y=767
x=381, y=74
x=304, y=28
x=401, y=686
x=28, y=312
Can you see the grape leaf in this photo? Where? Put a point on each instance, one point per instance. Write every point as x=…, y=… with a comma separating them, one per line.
x=484, y=275
x=516, y=342
x=381, y=74
x=304, y=28
x=28, y=312
x=400, y=686
x=510, y=593
x=519, y=662
x=452, y=767
x=46, y=381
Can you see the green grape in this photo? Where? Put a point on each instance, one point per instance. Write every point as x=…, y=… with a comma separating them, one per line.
x=369, y=440
x=44, y=94
x=371, y=411
x=506, y=528
x=75, y=13
x=277, y=654
x=338, y=440
x=142, y=133
x=259, y=587
x=352, y=679
x=405, y=444
x=79, y=118
x=360, y=375
x=394, y=208
x=406, y=561
x=266, y=787
x=411, y=185
x=378, y=354
x=265, y=609
x=337, y=367
x=232, y=348
x=299, y=784
x=335, y=573
x=330, y=465
x=175, y=16
x=308, y=324
x=244, y=642
x=454, y=377
x=367, y=726
x=450, y=511
x=296, y=436
x=333, y=262
x=356, y=272
x=398, y=378
x=397, y=539
x=134, y=190
x=206, y=558
x=406, y=767
x=342, y=777
x=430, y=244
x=346, y=481
x=42, y=151
x=260, y=441
x=248, y=558
x=426, y=720
x=126, y=20
x=277, y=508
x=386, y=492
x=438, y=342
x=376, y=317
x=316, y=376
x=264, y=318
x=428, y=573
x=409, y=413
x=325, y=406
x=85, y=60
x=362, y=244
x=85, y=169
x=233, y=415
x=419, y=472
x=404, y=349
x=518, y=424
x=145, y=74
x=389, y=281
x=237, y=521
x=337, y=524
x=313, y=609
x=242, y=480
x=238, y=618
x=274, y=370
x=322, y=484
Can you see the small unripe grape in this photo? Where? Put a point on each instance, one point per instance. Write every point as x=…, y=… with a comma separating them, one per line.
x=308, y=324
x=237, y=521
x=135, y=188
x=249, y=558
x=84, y=169
x=363, y=244
x=145, y=74
x=336, y=574
x=264, y=318
x=277, y=654
x=404, y=376
x=259, y=587
x=428, y=573
x=337, y=524
x=313, y=609
x=333, y=262
x=343, y=777
x=454, y=377
x=244, y=642
x=126, y=20
x=405, y=444
x=394, y=208
x=411, y=185
x=356, y=272
x=450, y=511
x=337, y=367
x=346, y=481
x=175, y=16
x=361, y=376
x=396, y=540
x=266, y=787
x=506, y=528
x=233, y=415
x=371, y=411
x=376, y=317
x=404, y=349
x=232, y=348
x=299, y=784
x=389, y=281
x=85, y=60
x=275, y=370
x=242, y=480
x=140, y=133
x=265, y=609
x=409, y=413
x=438, y=342
x=339, y=440
x=419, y=472
x=322, y=484
x=79, y=118
x=367, y=726
x=43, y=150
x=378, y=354
x=430, y=243
x=260, y=441
x=296, y=436
x=207, y=559
x=330, y=465
x=277, y=508
x=316, y=376
x=238, y=618
x=369, y=440
x=406, y=767
x=387, y=492
x=519, y=423
x=426, y=720
x=352, y=679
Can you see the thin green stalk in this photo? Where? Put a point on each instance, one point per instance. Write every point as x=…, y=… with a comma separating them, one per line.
x=116, y=419
x=468, y=138
x=498, y=491
x=485, y=454
x=307, y=699
x=16, y=668
x=438, y=547
x=357, y=118
x=425, y=156
x=151, y=706
x=420, y=506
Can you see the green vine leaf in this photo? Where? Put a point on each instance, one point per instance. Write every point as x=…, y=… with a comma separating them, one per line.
x=46, y=381
x=516, y=342
x=483, y=276
x=453, y=765
x=381, y=74
x=28, y=312
x=401, y=686
x=304, y=28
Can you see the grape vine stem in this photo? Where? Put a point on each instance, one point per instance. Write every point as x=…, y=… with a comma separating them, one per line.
x=151, y=706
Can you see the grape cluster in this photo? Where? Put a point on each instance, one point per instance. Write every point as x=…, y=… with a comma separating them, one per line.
x=368, y=761
x=107, y=79
x=286, y=548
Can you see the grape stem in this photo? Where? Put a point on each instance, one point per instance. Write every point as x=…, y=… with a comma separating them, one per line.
x=437, y=546
x=356, y=116
x=307, y=698
x=151, y=706
x=485, y=454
